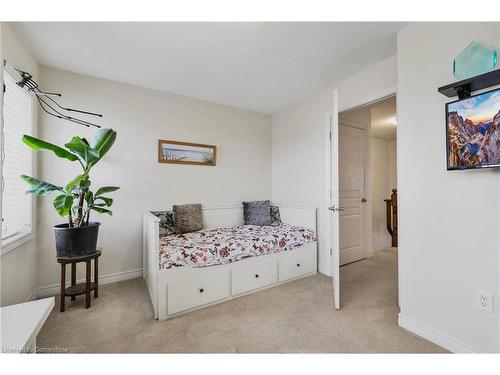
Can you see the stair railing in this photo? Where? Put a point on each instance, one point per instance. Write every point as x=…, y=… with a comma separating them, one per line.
x=391, y=213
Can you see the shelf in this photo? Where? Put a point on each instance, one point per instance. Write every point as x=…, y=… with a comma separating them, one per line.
x=466, y=87
x=78, y=289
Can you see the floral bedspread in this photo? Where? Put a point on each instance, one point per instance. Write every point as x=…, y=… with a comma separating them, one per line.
x=224, y=245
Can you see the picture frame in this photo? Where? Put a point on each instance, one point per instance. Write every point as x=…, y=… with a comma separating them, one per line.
x=177, y=152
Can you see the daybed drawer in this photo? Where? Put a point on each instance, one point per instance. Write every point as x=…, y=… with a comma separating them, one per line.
x=296, y=263
x=209, y=286
x=253, y=276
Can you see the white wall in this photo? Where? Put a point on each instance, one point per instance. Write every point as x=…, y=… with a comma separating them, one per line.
x=449, y=237
x=298, y=162
x=380, y=191
x=393, y=172
x=300, y=142
x=141, y=117
x=18, y=267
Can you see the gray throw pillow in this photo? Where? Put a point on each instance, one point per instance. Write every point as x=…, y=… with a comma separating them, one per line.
x=275, y=216
x=257, y=213
x=187, y=218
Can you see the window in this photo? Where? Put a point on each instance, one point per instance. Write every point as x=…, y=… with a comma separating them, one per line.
x=17, y=160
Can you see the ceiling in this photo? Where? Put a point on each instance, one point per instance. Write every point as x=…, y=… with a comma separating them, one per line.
x=258, y=66
x=383, y=119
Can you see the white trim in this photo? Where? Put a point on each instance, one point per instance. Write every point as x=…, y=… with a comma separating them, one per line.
x=373, y=98
x=333, y=178
x=368, y=192
x=434, y=336
x=326, y=269
x=54, y=289
x=32, y=296
x=15, y=243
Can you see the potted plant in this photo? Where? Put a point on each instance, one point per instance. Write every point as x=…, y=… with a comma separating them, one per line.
x=77, y=237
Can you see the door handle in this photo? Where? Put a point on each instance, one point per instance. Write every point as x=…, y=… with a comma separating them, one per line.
x=336, y=209
x=363, y=200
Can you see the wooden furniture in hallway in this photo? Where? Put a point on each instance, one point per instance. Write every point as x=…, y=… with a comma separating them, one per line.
x=392, y=216
x=82, y=288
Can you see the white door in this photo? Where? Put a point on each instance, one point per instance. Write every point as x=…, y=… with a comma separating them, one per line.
x=352, y=192
x=333, y=195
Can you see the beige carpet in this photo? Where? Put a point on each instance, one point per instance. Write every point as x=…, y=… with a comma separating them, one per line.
x=297, y=317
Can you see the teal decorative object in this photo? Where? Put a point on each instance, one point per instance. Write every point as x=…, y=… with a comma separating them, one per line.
x=476, y=59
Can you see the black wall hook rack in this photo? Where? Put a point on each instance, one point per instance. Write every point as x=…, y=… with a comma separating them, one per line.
x=46, y=101
x=464, y=89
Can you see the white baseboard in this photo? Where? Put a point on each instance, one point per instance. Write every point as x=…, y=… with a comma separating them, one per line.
x=52, y=290
x=32, y=296
x=434, y=336
x=324, y=269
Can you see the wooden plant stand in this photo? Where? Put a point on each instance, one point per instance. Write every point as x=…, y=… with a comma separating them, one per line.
x=82, y=288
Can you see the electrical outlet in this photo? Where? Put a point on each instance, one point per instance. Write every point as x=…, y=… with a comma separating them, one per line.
x=484, y=301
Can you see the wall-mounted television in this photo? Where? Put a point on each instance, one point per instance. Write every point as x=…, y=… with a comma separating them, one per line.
x=473, y=131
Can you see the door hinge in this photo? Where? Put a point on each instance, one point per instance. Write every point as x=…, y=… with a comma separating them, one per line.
x=330, y=136
x=330, y=252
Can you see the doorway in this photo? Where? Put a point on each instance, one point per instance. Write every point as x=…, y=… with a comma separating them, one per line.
x=364, y=160
x=367, y=177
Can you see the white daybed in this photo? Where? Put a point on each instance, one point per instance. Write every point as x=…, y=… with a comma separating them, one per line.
x=178, y=290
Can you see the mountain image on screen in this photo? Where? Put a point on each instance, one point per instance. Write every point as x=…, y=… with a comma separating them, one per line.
x=474, y=131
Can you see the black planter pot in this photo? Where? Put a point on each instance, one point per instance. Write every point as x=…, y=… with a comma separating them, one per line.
x=76, y=242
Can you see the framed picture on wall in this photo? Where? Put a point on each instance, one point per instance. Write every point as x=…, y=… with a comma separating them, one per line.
x=175, y=152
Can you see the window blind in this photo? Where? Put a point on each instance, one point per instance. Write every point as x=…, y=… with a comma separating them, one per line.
x=17, y=160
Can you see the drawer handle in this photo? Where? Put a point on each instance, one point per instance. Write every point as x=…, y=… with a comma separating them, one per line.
x=256, y=275
x=298, y=264
x=202, y=290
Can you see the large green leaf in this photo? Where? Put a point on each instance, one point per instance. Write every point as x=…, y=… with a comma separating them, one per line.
x=39, y=187
x=85, y=183
x=76, y=181
x=89, y=198
x=83, y=150
x=107, y=201
x=99, y=205
x=105, y=189
x=38, y=144
x=101, y=210
x=103, y=140
x=63, y=203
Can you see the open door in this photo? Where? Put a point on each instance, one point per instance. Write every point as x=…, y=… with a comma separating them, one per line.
x=334, y=199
